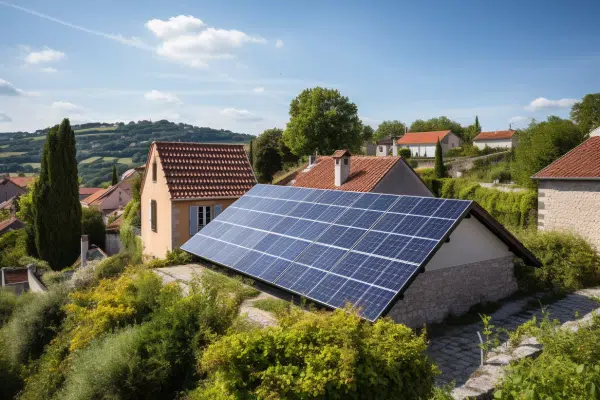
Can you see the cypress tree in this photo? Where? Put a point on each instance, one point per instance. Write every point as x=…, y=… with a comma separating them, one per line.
x=56, y=207
x=115, y=179
x=477, y=126
x=440, y=169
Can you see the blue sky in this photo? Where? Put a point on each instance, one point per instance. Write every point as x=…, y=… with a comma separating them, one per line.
x=237, y=64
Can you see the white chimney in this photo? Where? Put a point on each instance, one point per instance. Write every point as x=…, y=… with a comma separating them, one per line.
x=84, y=250
x=394, y=146
x=341, y=160
x=311, y=160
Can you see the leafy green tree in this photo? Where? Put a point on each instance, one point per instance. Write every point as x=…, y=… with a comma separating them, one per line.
x=92, y=224
x=586, y=113
x=541, y=144
x=267, y=155
x=439, y=168
x=114, y=179
x=389, y=129
x=437, y=124
x=322, y=120
x=55, y=205
x=367, y=134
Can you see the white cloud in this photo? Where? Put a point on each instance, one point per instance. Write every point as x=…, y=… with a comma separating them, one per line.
x=279, y=43
x=240, y=115
x=155, y=95
x=5, y=118
x=518, y=118
x=174, y=25
x=7, y=89
x=258, y=89
x=186, y=39
x=544, y=103
x=49, y=70
x=44, y=56
x=66, y=107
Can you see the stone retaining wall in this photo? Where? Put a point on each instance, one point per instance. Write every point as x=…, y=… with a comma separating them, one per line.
x=436, y=293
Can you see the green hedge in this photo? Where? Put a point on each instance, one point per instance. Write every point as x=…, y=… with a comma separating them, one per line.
x=512, y=209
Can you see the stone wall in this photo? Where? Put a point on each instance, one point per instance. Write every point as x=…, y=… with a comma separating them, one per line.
x=570, y=205
x=435, y=294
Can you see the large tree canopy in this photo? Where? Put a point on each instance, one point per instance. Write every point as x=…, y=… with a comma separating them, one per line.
x=268, y=157
x=586, y=113
x=541, y=144
x=437, y=124
x=367, y=134
x=389, y=129
x=322, y=120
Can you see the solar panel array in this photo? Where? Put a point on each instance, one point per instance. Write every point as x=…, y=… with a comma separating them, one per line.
x=330, y=246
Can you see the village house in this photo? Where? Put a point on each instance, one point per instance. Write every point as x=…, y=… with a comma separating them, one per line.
x=87, y=192
x=496, y=139
x=569, y=191
x=422, y=144
x=475, y=264
x=112, y=200
x=185, y=186
x=9, y=189
x=11, y=224
x=385, y=147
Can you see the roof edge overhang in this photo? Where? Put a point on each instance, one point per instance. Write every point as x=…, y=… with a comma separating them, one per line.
x=567, y=178
x=206, y=198
x=504, y=234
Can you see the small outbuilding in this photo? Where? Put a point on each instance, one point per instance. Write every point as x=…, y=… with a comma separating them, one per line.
x=496, y=140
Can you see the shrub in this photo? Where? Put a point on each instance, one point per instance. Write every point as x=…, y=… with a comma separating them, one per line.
x=500, y=173
x=40, y=265
x=179, y=257
x=320, y=355
x=568, y=368
x=404, y=153
x=8, y=301
x=10, y=381
x=35, y=325
x=92, y=224
x=13, y=246
x=51, y=278
x=569, y=262
x=156, y=263
x=113, y=265
x=277, y=307
x=413, y=163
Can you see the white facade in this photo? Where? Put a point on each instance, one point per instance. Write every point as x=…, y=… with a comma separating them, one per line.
x=450, y=141
x=595, y=132
x=496, y=143
x=383, y=150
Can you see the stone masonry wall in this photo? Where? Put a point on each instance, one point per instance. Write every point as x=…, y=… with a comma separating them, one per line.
x=435, y=294
x=570, y=205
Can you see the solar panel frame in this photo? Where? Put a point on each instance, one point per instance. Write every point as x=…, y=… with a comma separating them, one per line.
x=371, y=202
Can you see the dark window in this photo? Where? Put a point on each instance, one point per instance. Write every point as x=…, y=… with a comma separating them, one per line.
x=380, y=149
x=204, y=216
x=153, y=215
x=345, y=161
x=337, y=161
x=154, y=171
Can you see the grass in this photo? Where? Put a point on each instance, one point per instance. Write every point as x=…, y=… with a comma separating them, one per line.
x=125, y=160
x=41, y=137
x=33, y=164
x=100, y=129
x=90, y=160
x=110, y=158
x=4, y=146
x=237, y=286
x=11, y=153
x=277, y=307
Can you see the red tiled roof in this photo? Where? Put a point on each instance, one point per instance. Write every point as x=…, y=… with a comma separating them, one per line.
x=15, y=276
x=365, y=173
x=10, y=222
x=88, y=191
x=95, y=196
x=423, y=137
x=581, y=162
x=205, y=170
x=495, y=135
x=22, y=181
x=116, y=224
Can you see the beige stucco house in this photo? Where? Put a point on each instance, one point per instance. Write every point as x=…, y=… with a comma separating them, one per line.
x=422, y=144
x=569, y=192
x=112, y=200
x=185, y=186
x=475, y=264
x=496, y=139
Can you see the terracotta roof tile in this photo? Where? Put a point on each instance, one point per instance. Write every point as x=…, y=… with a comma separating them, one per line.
x=116, y=224
x=581, y=162
x=15, y=276
x=340, y=153
x=22, y=181
x=88, y=191
x=495, y=135
x=199, y=170
x=423, y=137
x=365, y=173
x=95, y=196
x=12, y=221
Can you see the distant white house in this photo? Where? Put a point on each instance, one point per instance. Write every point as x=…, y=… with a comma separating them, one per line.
x=496, y=139
x=384, y=147
x=422, y=144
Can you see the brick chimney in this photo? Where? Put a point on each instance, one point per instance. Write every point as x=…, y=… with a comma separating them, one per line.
x=341, y=160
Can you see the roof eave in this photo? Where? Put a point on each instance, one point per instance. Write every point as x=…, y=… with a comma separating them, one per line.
x=567, y=178
x=503, y=234
x=206, y=198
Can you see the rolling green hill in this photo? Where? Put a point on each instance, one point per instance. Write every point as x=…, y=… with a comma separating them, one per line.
x=100, y=145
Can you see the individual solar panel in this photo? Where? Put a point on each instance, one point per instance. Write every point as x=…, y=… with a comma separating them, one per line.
x=333, y=247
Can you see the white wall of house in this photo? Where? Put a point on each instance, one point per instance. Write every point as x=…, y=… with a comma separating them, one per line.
x=595, y=132
x=421, y=150
x=382, y=150
x=471, y=235
x=572, y=205
x=497, y=143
